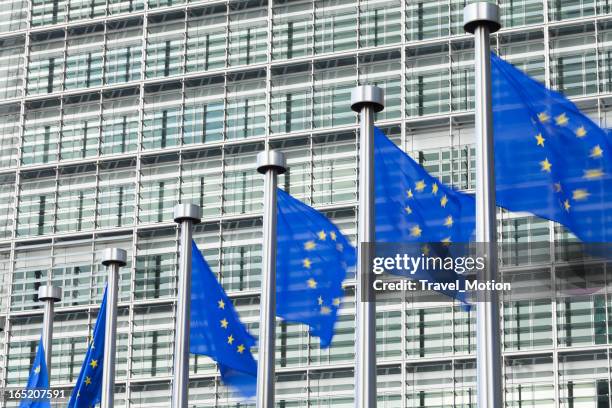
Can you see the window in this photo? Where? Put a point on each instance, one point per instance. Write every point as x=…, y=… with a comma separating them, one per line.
x=206, y=37
x=165, y=45
x=204, y=111
x=80, y=128
x=11, y=67
x=162, y=119
x=9, y=136
x=41, y=133
x=46, y=67
x=116, y=195
x=246, y=105
x=123, y=52
x=248, y=36
x=379, y=23
x=84, y=57
x=335, y=22
x=292, y=31
x=76, y=199
x=291, y=99
x=119, y=122
x=333, y=82
x=156, y=265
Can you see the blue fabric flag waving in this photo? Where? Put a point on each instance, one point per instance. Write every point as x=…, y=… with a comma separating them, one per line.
x=216, y=330
x=38, y=380
x=550, y=159
x=312, y=260
x=88, y=389
x=413, y=206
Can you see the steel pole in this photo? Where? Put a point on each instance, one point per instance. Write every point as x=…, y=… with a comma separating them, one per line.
x=270, y=163
x=186, y=215
x=113, y=259
x=49, y=295
x=481, y=19
x=366, y=100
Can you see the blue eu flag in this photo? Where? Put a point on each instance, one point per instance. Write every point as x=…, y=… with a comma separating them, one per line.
x=312, y=260
x=550, y=159
x=412, y=206
x=39, y=380
x=216, y=330
x=88, y=389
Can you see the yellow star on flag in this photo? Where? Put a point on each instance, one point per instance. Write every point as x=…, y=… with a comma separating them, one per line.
x=416, y=231
x=312, y=284
x=543, y=117
x=221, y=304
x=306, y=262
x=434, y=189
x=425, y=249
x=593, y=174
x=580, y=194
x=557, y=187
x=230, y=339
x=240, y=349
x=408, y=209
x=325, y=310
x=566, y=205
x=444, y=201
x=94, y=363
x=309, y=245
x=336, y=302
x=420, y=185
x=448, y=222
x=332, y=235
x=320, y=300
x=546, y=165
x=446, y=240
x=37, y=370
x=322, y=235
x=409, y=193
x=87, y=380
x=561, y=120
x=224, y=323
x=581, y=132
x=596, y=152
x=540, y=139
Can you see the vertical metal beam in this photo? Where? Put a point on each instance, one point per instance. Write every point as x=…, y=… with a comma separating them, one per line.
x=366, y=100
x=113, y=259
x=186, y=215
x=481, y=19
x=49, y=295
x=270, y=163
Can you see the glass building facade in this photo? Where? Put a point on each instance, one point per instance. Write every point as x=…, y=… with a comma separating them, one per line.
x=112, y=111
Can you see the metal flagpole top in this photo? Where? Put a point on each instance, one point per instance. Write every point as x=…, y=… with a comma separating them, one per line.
x=271, y=159
x=114, y=256
x=367, y=95
x=48, y=292
x=187, y=212
x=481, y=13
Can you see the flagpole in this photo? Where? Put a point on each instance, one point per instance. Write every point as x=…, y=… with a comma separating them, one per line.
x=481, y=19
x=186, y=215
x=366, y=100
x=113, y=259
x=49, y=294
x=270, y=163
